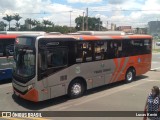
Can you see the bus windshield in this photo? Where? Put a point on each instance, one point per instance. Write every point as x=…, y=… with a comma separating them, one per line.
x=25, y=62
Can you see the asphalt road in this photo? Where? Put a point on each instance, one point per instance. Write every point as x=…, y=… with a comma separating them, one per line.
x=114, y=97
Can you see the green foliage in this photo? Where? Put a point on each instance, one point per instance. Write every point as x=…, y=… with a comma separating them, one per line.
x=8, y=18
x=93, y=23
x=34, y=25
x=2, y=26
x=16, y=17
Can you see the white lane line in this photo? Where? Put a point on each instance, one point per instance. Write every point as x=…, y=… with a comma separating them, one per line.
x=154, y=62
x=155, y=69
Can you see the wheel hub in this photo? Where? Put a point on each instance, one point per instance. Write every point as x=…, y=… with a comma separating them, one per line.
x=129, y=76
x=76, y=89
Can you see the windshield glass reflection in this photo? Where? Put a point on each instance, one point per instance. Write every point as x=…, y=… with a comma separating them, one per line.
x=25, y=62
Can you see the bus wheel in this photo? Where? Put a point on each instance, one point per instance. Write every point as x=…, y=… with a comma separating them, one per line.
x=76, y=89
x=130, y=75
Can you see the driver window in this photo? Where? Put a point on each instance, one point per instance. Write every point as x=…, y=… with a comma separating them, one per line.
x=57, y=57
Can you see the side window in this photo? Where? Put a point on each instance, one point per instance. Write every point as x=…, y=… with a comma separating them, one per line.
x=100, y=50
x=127, y=48
x=57, y=57
x=10, y=50
x=42, y=59
x=84, y=52
x=138, y=46
x=114, y=49
x=147, y=45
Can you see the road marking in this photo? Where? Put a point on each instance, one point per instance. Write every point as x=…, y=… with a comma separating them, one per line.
x=32, y=118
x=153, y=69
x=154, y=62
x=12, y=118
x=27, y=118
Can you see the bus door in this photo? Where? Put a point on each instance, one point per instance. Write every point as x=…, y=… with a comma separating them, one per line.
x=54, y=60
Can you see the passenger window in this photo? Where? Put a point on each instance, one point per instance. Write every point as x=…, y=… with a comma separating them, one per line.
x=84, y=52
x=57, y=57
x=100, y=49
x=147, y=45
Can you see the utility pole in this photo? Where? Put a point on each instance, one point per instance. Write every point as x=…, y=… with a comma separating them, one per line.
x=87, y=19
x=99, y=24
x=107, y=25
x=70, y=21
x=83, y=23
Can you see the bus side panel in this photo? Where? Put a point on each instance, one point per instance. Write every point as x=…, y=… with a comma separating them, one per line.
x=141, y=63
x=57, y=83
x=6, y=66
x=6, y=74
x=95, y=73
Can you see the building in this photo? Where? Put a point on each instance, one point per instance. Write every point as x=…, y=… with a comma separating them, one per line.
x=154, y=28
x=127, y=29
x=113, y=26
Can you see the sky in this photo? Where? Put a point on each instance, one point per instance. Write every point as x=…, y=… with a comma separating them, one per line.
x=136, y=13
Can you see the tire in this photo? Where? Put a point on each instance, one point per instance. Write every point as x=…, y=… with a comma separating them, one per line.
x=76, y=89
x=130, y=74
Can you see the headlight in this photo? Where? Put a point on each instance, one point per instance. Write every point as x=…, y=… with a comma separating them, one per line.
x=30, y=87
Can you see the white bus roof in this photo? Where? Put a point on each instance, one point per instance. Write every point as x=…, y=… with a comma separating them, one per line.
x=54, y=33
x=101, y=32
x=23, y=32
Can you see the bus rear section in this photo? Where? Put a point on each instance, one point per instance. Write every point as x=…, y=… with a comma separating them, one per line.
x=6, y=59
x=50, y=66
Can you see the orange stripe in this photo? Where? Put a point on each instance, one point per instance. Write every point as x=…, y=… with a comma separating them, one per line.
x=120, y=67
x=131, y=62
x=90, y=38
x=122, y=76
x=116, y=65
x=140, y=36
x=31, y=95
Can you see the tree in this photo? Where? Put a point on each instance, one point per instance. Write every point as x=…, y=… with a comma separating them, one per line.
x=16, y=17
x=8, y=18
x=3, y=26
x=47, y=22
x=93, y=23
x=17, y=26
x=34, y=23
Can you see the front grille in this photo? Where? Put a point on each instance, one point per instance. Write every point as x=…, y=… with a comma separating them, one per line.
x=19, y=88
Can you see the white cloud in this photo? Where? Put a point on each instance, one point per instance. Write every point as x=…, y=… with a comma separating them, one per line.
x=60, y=13
x=83, y=1
x=116, y=1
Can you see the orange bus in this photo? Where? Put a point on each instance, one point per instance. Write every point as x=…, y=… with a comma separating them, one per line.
x=48, y=66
